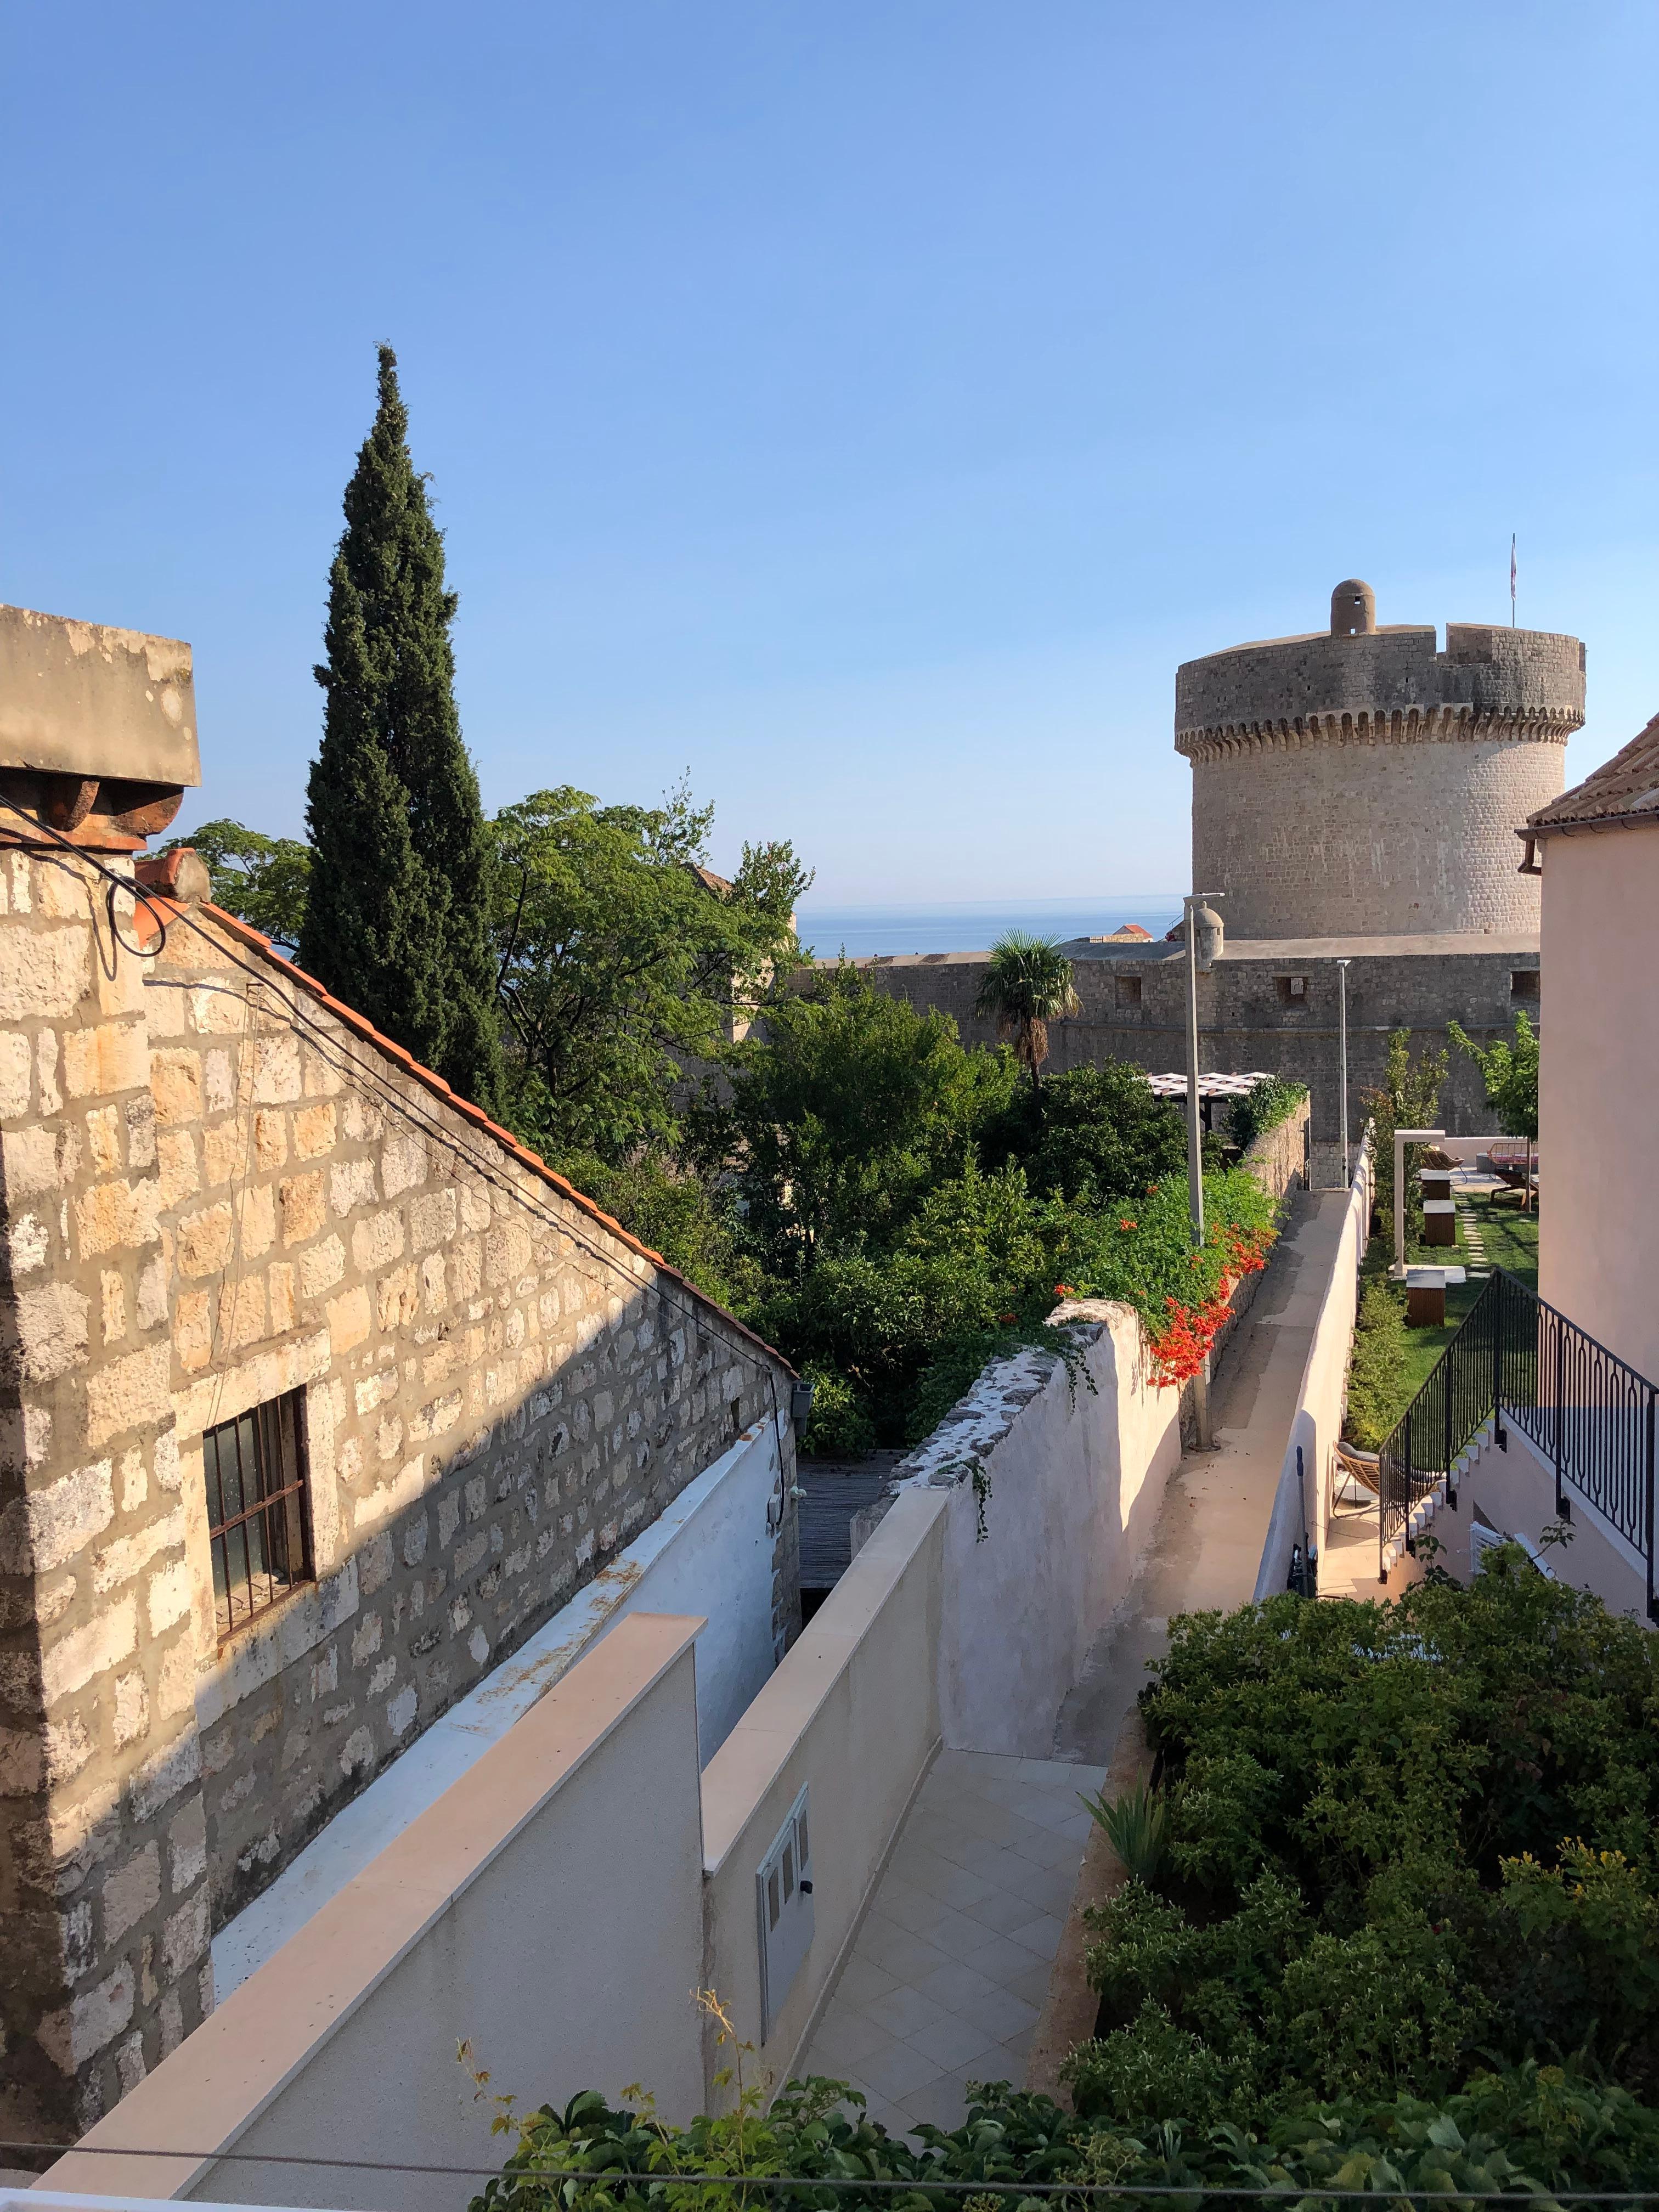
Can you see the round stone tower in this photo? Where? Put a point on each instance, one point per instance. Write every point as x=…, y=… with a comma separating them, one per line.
x=1356, y=782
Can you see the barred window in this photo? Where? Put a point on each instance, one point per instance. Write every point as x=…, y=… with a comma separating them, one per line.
x=259, y=1524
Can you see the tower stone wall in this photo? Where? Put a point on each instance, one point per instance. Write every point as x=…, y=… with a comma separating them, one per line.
x=1363, y=783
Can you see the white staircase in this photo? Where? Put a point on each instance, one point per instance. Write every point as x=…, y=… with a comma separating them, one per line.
x=1422, y=1514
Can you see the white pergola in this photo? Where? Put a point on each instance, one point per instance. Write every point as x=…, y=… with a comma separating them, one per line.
x=1210, y=1088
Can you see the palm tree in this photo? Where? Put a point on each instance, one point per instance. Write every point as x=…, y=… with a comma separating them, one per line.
x=1027, y=985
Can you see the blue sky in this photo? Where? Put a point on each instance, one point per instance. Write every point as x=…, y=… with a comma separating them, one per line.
x=864, y=406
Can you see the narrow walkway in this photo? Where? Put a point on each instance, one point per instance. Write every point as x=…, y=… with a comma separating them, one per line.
x=951, y=1965
x=1206, y=1549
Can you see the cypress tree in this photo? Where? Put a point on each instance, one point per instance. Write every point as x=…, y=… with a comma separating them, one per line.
x=397, y=923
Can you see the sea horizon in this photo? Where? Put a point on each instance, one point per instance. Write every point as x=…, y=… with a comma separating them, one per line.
x=975, y=925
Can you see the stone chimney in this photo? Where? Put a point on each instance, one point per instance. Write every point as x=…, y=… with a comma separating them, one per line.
x=103, y=1891
x=97, y=729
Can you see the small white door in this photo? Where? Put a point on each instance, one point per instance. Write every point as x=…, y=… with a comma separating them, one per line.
x=783, y=1888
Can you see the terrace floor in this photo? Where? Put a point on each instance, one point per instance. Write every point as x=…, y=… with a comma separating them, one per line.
x=951, y=1963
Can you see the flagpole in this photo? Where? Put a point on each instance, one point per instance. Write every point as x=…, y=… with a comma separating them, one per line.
x=1511, y=580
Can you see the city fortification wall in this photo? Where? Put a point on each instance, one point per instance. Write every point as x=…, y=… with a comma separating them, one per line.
x=1361, y=782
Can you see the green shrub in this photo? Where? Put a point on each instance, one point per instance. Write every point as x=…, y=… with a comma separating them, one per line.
x=1405, y=1842
x=839, y=1426
x=1530, y=2129
x=1262, y=1108
x=1376, y=1372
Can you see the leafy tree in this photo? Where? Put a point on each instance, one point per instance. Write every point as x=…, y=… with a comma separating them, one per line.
x=1510, y=1075
x=837, y=1119
x=398, y=917
x=623, y=960
x=263, y=881
x=675, y=1213
x=1408, y=1097
x=1027, y=984
x=1097, y=1135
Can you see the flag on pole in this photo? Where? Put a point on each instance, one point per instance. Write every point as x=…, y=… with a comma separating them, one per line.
x=1511, y=580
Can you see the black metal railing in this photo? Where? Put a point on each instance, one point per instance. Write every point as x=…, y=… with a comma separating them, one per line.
x=1584, y=1410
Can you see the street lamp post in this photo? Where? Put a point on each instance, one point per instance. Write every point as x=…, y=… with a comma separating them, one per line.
x=1191, y=903
x=1342, y=979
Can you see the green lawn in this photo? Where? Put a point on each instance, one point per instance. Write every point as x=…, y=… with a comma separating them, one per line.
x=1511, y=1240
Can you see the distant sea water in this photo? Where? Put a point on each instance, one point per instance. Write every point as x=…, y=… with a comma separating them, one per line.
x=859, y=931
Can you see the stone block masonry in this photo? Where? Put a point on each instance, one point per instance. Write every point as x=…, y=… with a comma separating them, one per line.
x=1249, y=1018
x=219, y=1188
x=103, y=1822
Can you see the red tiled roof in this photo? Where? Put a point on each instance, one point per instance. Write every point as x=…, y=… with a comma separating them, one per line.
x=1133, y=929
x=244, y=934
x=1623, y=789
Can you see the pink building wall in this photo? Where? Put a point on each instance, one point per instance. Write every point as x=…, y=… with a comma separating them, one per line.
x=1599, y=1086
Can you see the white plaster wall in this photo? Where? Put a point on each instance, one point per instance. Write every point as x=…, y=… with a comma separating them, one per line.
x=852, y=1712
x=1599, y=1086
x=1514, y=1491
x=547, y=1908
x=1302, y=1504
x=710, y=1552
x=1075, y=1486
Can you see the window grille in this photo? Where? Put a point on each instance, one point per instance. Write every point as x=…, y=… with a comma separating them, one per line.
x=1524, y=984
x=258, y=1522
x=1128, y=990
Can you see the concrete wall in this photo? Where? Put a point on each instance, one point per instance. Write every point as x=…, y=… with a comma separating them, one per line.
x=852, y=1713
x=1302, y=1503
x=1067, y=1477
x=479, y=1923
x=1598, y=1085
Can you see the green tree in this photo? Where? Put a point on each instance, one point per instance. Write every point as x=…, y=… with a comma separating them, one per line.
x=1407, y=1097
x=837, y=1119
x=263, y=881
x=398, y=917
x=624, y=963
x=1027, y=984
x=1097, y=1133
x=1510, y=1075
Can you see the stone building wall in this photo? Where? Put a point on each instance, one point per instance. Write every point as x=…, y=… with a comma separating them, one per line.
x=219, y=1187
x=1339, y=837
x=104, y=1892
x=1132, y=1006
x=1369, y=785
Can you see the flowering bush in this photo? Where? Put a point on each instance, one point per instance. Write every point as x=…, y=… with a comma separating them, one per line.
x=1182, y=1296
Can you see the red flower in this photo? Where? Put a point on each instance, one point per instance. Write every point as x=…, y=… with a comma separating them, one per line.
x=1126, y=1223
x=1064, y=1291
x=1006, y=1318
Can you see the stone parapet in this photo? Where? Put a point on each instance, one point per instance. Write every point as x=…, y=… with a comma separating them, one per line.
x=1366, y=783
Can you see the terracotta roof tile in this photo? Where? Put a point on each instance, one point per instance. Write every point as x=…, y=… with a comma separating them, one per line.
x=1624, y=788
x=244, y=934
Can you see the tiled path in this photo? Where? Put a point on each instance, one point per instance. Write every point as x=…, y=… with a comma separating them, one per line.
x=951, y=1965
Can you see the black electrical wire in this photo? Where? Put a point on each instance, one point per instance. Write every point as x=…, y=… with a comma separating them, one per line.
x=616, y=2178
